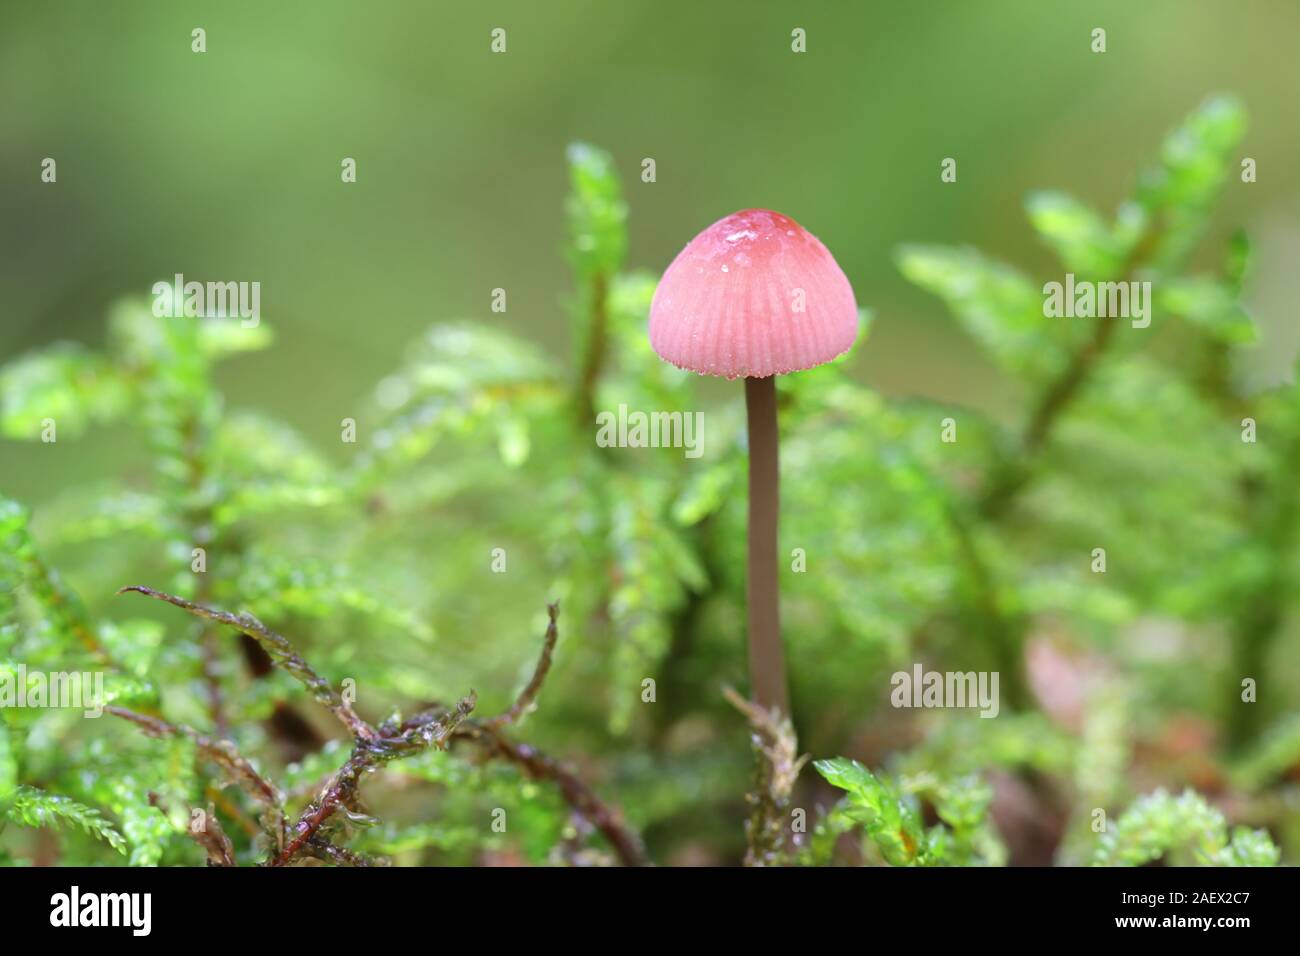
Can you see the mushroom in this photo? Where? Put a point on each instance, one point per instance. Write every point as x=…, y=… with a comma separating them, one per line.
x=755, y=296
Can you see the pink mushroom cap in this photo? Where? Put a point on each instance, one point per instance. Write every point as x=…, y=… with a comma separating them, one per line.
x=753, y=295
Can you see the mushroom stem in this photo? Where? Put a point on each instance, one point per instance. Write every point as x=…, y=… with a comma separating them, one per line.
x=766, y=659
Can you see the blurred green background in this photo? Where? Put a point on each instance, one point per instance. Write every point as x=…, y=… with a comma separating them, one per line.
x=226, y=164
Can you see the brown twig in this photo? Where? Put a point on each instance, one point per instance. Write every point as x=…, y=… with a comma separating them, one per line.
x=375, y=747
x=340, y=856
x=528, y=696
x=580, y=797
x=424, y=731
x=582, y=800
x=224, y=754
x=212, y=838
x=280, y=651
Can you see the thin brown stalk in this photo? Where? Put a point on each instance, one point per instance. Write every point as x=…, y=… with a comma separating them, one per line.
x=528, y=696
x=212, y=838
x=581, y=799
x=374, y=747
x=280, y=651
x=762, y=583
x=417, y=734
x=225, y=755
